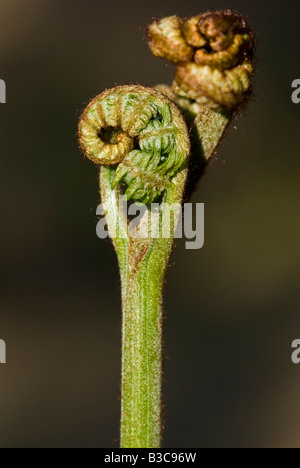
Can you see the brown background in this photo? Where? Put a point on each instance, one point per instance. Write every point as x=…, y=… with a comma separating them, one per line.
x=232, y=308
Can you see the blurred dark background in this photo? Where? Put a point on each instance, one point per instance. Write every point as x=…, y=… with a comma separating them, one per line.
x=232, y=309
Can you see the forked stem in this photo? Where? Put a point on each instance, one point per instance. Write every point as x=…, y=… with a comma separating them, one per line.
x=143, y=264
x=142, y=142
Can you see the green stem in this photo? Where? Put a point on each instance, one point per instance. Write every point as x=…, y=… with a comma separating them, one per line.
x=207, y=130
x=208, y=127
x=143, y=264
x=142, y=357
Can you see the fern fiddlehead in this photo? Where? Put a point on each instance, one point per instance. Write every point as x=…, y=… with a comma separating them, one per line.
x=214, y=57
x=139, y=131
x=213, y=53
x=140, y=140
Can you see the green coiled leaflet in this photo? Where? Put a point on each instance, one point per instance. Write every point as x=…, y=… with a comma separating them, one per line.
x=140, y=132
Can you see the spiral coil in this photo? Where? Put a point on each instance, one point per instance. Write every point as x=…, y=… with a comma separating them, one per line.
x=214, y=54
x=140, y=132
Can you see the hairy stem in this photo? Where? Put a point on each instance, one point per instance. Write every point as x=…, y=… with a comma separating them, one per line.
x=142, y=356
x=207, y=129
x=143, y=264
x=140, y=138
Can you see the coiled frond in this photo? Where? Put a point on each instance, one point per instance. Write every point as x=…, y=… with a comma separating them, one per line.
x=214, y=55
x=140, y=132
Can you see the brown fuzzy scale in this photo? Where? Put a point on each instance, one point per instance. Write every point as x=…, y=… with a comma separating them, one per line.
x=217, y=72
x=166, y=40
